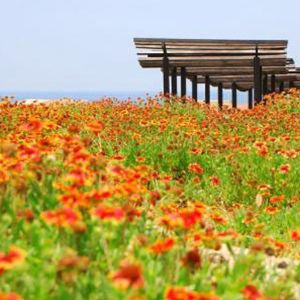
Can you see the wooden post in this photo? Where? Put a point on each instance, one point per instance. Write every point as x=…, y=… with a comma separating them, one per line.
x=183, y=82
x=281, y=86
x=273, y=83
x=234, y=95
x=220, y=95
x=207, y=89
x=257, y=77
x=250, y=98
x=166, y=72
x=194, y=88
x=174, y=81
x=265, y=84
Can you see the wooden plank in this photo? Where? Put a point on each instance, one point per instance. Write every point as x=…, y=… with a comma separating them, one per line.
x=208, y=57
x=209, y=41
x=157, y=63
x=214, y=71
x=159, y=52
x=245, y=78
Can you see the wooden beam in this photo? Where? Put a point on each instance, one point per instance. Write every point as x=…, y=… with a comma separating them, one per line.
x=210, y=41
x=205, y=62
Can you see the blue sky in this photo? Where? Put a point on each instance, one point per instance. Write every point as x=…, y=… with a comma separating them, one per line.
x=86, y=45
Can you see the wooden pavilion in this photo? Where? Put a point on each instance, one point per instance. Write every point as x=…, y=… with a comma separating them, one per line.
x=261, y=66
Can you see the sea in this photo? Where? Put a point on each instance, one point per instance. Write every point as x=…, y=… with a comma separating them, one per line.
x=120, y=95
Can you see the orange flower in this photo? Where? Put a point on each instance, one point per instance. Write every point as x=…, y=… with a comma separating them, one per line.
x=10, y=296
x=284, y=169
x=196, y=168
x=128, y=275
x=34, y=125
x=180, y=293
x=163, y=246
x=250, y=292
x=15, y=256
x=105, y=212
x=96, y=127
x=276, y=199
x=64, y=217
x=271, y=210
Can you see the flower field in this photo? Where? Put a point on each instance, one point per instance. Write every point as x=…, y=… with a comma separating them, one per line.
x=150, y=200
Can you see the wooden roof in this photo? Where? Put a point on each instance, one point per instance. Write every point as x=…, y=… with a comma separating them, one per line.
x=224, y=61
x=210, y=53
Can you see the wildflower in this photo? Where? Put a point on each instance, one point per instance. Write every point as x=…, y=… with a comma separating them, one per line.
x=250, y=292
x=64, y=217
x=180, y=293
x=128, y=275
x=192, y=259
x=195, y=168
x=271, y=210
x=13, y=257
x=276, y=199
x=295, y=235
x=215, y=181
x=10, y=296
x=190, y=217
x=284, y=169
x=70, y=265
x=96, y=127
x=105, y=212
x=162, y=246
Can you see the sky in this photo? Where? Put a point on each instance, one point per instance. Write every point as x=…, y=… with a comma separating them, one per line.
x=87, y=45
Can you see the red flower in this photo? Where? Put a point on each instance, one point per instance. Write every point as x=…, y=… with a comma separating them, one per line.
x=284, y=169
x=295, y=235
x=128, y=275
x=250, y=292
x=163, y=246
x=105, y=212
x=192, y=259
x=64, y=217
x=215, y=181
x=195, y=168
